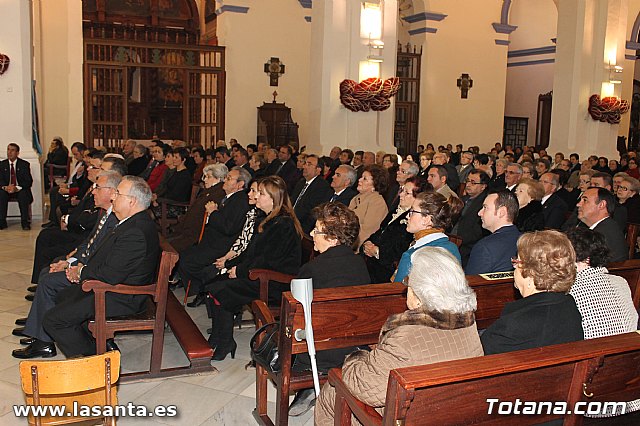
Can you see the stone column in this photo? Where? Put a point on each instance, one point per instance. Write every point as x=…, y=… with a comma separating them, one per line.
x=15, y=93
x=591, y=33
x=336, y=52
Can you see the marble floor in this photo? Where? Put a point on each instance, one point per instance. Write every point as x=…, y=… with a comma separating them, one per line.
x=226, y=397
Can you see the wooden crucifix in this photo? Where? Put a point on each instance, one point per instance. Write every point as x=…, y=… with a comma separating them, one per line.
x=275, y=69
x=464, y=83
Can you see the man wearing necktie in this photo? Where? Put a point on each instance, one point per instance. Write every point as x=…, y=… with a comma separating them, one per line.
x=15, y=183
x=310, y=191
x=53, y=279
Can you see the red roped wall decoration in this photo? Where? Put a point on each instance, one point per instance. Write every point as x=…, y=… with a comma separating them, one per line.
x=607, y=109
x=370, y=94
x=4, y=63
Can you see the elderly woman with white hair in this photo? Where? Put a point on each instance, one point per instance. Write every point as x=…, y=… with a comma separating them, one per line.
x=187, y=231
x=438, y=326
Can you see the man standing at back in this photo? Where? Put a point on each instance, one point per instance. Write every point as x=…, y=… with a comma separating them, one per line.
x=309, y=192
x=493, y=253
x=128, y=255
x=16, y=181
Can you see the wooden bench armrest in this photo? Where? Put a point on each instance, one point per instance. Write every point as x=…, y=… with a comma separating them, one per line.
x=261, y=313
x=365, y=413
x=102, y=287
x=266, y=275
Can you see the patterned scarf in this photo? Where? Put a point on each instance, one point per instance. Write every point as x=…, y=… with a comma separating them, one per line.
x=420, y=316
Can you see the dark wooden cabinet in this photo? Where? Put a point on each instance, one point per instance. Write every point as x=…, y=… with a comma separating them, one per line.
x=275, y=125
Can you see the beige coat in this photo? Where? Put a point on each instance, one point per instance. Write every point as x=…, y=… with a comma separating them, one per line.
x=371, y=209
x=407, y=344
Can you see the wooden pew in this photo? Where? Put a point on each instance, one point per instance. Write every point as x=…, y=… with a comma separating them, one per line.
x=492, y=295
x=456, y=392
x=341, y=317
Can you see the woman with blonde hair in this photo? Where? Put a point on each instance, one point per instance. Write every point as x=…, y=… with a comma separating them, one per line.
x=529, y=192
x=275, y=245
x=546, y=315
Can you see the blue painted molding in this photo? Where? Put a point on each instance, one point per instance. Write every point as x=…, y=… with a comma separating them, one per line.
x=503, y=28
x=527, y=63
x=504, y=12
x=423, y=30
x=631, y=57
x=530, y=52
x=554, y=40
x=232, y=9
x=307, y=18
x=502, y=42
x=424, y=16
x=305, y=3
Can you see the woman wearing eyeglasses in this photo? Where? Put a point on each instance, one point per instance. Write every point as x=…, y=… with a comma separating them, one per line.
x=430, y=215
x=385, y=247
x=546, y=315
x=628, y=196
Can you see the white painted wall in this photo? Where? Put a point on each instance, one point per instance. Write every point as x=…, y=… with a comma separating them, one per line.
x=536, y=21
x=15, y=92
x=274, y=28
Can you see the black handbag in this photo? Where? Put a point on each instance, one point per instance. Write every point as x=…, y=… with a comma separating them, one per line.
x=266, y=353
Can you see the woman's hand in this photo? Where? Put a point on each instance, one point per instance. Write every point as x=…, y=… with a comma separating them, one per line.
x=211, y=207
x=232, y=272
x=370, y=249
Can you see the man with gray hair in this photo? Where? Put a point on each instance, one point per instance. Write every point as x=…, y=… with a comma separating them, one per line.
x=128, y=255
x=407, y=169
x=343, y=179
x=442, y=159
x=52, y=278
x=224, y=225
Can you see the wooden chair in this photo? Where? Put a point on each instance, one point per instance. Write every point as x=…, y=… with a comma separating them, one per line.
x=455, y=239
x=53, y=167
x=165, y=221
x=153, y=319
x=186, y=291
x=633, y=230
x=88, y=381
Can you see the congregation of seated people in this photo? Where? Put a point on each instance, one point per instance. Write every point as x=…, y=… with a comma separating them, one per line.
x=424, y=219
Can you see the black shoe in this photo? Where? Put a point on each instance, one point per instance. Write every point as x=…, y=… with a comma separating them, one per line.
x=303, y=401
x=222, y=352
x=28, y=340
x=199, y=300
x=32, y=288
x=3, y=226
x=26, y=227
x=111, y=345
x=35, y=350
x=30, y=297
x=19, y=332
x=21, y=321
x=49, y=224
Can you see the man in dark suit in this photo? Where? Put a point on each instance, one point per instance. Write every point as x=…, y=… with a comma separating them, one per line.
x=442, y=159
x=223, y=227
x=223, y=156
x=469, y=226
x=285, y=167
x=52, y=279
x=554, y=208
x=128, y=255
x=620, y=214
x=343, y=178
x=493, y=253
x=595, y=209
x=310, y=191
x=407, y=169
x=241, y=159
x=15, y=181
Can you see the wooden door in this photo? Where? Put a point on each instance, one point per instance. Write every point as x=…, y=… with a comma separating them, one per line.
x=106, y=105
x=407, y=106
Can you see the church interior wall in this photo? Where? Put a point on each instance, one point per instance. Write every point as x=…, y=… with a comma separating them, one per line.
x=276, y=28
x=529, y=72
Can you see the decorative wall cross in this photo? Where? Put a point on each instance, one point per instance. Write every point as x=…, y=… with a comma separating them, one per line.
x=275, y=69
x=464, y=83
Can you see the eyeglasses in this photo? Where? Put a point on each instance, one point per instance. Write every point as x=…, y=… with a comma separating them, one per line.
x=316, y=231
x=624, y=188
x=96, y=186
x=515, y=262
x=511, y=172
x=404, y=172
x=205, y=177
x=411, y=212
x=470, y=182
x=118, y=194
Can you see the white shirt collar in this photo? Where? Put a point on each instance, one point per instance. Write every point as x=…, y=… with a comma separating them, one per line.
x=545, y=198
x=312, y=179
x=597, y=223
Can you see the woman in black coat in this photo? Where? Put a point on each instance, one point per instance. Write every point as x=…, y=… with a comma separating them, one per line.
x=530, y=217
x=383, y=250
x=140, y=161
x=335, y=232
x=275, y=245
x=58, y=156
